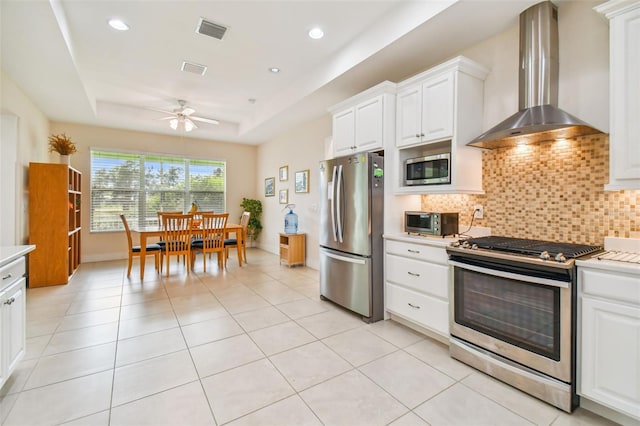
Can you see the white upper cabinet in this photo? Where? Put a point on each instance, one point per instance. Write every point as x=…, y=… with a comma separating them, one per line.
x=425, y=111
x=366, y=121
x=439, y=111
x=624, y=63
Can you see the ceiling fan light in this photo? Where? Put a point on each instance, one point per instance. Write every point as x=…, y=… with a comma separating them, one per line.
x=188, y=125
x=173, y=123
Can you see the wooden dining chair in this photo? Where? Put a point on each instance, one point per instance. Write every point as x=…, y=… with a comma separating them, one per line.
x=212, y=230
x=160, y=225
x=177, y=237
x=152, y=249
x=240, y=241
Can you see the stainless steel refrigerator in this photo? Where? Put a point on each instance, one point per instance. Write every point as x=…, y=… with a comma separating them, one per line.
x=351, y=222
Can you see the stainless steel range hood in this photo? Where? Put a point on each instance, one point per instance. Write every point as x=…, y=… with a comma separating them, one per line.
x=538, y=119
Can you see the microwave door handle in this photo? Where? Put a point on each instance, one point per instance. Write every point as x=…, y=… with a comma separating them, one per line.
x=333, y=205
x=339, y=207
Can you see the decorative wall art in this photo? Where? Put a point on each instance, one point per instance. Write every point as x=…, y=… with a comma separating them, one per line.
x=302, y=181
x=283, y=196
x=270, y=187
x=284, y=173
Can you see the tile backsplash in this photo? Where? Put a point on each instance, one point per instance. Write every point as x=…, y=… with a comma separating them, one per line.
x=550, y=191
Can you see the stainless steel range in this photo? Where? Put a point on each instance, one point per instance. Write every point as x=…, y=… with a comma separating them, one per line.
x=513, y=312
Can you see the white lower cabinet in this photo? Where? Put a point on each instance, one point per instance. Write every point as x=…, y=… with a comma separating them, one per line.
x=417, y=283
x=609, y=332
x=12, y=317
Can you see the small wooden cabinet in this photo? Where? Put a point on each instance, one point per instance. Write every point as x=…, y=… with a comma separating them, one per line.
x=54, y=223
x=292, y=249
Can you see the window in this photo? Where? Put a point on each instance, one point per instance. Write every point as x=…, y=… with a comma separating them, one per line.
x=139, y=185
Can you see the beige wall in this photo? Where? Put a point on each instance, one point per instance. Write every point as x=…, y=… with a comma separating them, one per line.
x=29, y=143
x=299, y=149
x=241, y=172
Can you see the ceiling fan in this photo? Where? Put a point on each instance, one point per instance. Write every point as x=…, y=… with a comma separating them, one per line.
x=182, y=117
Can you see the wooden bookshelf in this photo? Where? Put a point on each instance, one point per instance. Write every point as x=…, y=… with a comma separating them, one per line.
x=54, y=223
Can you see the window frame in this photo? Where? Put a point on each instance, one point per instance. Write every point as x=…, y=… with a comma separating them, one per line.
x=141, y=192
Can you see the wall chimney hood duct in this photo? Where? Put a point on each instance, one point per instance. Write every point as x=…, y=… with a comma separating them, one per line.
x=538, y=119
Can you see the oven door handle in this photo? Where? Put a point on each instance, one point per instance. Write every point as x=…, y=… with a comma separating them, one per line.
x=510, y=275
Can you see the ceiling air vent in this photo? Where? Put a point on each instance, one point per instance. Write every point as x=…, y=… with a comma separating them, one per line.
x=193, y=68
x=211, y=29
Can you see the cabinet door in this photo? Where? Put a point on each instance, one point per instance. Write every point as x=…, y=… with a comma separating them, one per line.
x=344, y=128
x=408, y=116
x=12, y=310
x=610, y=350
x=625, y=101
x=437, y=108
x=369, y=121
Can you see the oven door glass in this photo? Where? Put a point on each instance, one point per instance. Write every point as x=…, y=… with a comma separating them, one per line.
x=523, y=314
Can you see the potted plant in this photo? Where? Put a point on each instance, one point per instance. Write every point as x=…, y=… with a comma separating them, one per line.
x=255, y=208
x=63, y=146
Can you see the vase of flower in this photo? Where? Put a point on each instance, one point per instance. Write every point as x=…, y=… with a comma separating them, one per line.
x=63, y=146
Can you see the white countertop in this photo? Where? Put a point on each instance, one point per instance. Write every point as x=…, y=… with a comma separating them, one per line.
x=10, y=253
x=629, y=245
x=428, y=240
x=421, y=239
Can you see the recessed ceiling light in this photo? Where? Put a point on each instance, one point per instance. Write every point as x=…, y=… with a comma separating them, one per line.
x=118, y=24
x=274, y=70
x=316, y=33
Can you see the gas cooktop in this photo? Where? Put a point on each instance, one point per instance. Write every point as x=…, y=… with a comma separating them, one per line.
x=521, y=247
x=533, y=247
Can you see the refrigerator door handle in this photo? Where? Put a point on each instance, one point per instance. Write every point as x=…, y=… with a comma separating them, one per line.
x=333, y=205
x=345, y=259
x=339, y=212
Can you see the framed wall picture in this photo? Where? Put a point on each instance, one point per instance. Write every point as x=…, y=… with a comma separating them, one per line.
x=283, y=196
x=270, y=187
x=284, y=173
x=302, y=181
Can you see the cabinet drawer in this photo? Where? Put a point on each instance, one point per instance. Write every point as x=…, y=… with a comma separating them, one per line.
x=421, y=276
x=12, y=272
x=426, y=311
x=610, y=285
x=418, y=251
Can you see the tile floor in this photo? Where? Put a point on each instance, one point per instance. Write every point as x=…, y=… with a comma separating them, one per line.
x=247, y=346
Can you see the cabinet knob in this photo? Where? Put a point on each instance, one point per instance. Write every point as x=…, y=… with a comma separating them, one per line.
x=417, y=135
x=413, y=274
x=413, y=251
x=413, y=306
x=10, y=301
x=422, y=135
x=6, y=277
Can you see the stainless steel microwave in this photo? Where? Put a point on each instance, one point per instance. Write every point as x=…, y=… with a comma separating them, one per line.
x=431, y=223
x=429, y=170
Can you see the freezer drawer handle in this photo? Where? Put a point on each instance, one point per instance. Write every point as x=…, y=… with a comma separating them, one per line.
x=346, y=259
x=413, y=251
x=413, y=274
x=413, y=306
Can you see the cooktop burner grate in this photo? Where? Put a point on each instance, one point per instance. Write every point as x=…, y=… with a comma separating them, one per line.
x=533, y=247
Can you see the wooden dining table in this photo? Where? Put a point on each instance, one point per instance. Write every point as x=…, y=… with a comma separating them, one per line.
x=156, y=231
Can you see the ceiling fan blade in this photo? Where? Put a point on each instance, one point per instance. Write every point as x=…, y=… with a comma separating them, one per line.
x=205, y=120
x=188, y=111
x=160, y=110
